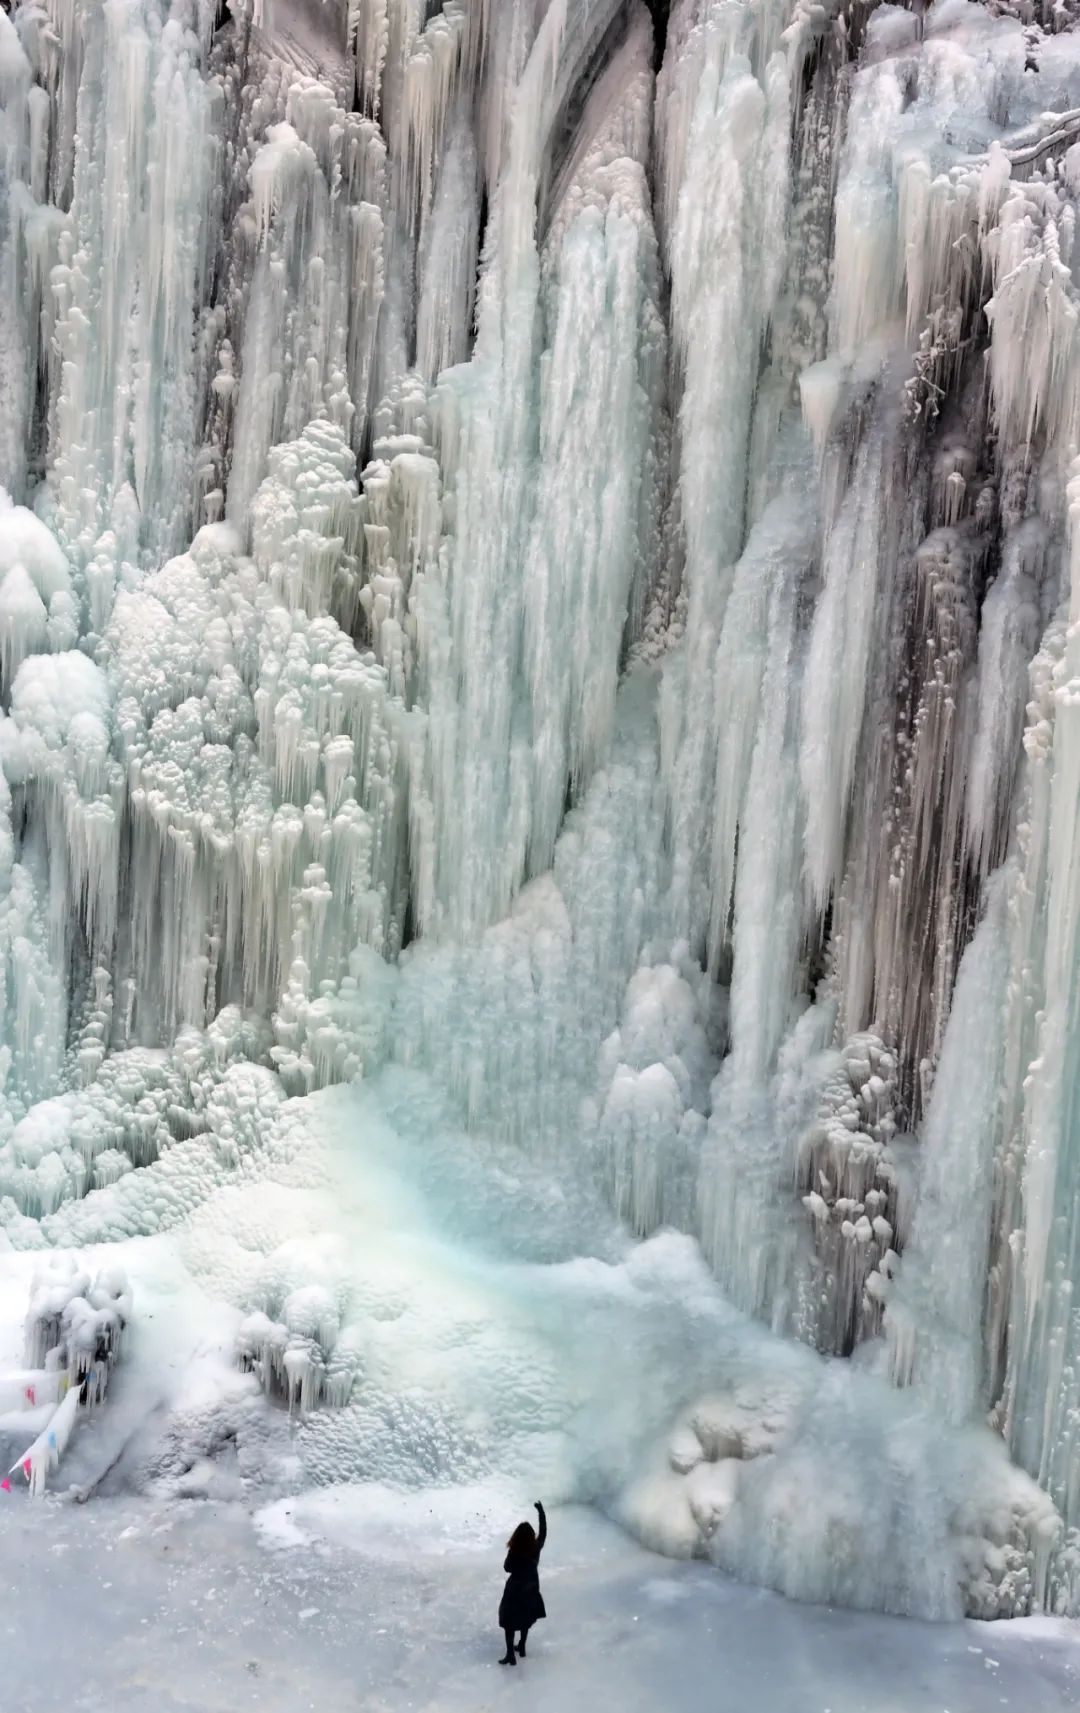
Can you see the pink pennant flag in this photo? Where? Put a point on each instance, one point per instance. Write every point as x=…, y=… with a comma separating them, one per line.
x=30, y=1398
x=26, y=1467
x=5, y=1485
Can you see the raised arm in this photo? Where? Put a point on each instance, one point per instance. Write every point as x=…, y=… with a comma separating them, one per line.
x=542, y=1536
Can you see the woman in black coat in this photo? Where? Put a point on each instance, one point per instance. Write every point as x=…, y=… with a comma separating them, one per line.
x=522, y=1602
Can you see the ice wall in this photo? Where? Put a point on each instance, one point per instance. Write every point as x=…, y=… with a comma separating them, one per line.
x=537, y=563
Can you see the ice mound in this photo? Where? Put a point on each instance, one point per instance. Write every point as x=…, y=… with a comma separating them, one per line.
x=141, y=1106
x=471, y=1331
x=933, y=1523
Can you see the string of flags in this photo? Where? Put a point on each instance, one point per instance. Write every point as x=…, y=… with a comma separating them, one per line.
x=25, y=1464
x=73, y=1338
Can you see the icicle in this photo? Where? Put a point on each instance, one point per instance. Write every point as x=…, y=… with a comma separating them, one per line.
x=494, y=744
x=933, y=1317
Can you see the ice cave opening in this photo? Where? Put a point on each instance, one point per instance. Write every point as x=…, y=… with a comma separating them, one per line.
x=540, y=768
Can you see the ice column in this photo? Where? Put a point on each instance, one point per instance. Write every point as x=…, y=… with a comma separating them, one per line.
x=133, y=260
x=725, y=150
x=934, y=1312
x=1042, y=1392
x=448, y=256
x=316, y=222
x=16, y=321
x=533, y=581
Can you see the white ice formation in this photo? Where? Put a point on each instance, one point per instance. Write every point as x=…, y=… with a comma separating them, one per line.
x=540, y=585
x=74, y=1336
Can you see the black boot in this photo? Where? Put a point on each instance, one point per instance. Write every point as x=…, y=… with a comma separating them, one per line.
x=521, y=1645
x=508, y=1656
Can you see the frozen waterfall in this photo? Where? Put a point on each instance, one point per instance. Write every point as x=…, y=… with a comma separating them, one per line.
x=540, y=750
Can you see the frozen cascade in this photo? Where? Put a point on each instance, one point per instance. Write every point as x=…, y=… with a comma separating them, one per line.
x=502, y=752
x=934, y=1309
x=538, y=774
x=727, y=120
x=131, y=262
x=316, y=226
x=1034, y=1276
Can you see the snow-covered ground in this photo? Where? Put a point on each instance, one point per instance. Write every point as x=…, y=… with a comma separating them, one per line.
x=216, y=1587
x=499, y=1331
x=118, y=1605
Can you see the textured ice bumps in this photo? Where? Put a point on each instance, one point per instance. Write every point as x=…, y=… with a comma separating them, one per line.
x=301, y=1357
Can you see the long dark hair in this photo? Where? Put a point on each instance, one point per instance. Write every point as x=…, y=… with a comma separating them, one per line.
x=523, y=1538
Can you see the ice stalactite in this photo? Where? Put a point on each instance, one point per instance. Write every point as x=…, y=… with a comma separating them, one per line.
x=133, y=257
x=55, y=743
x=246, y=761
x=1034, y=308
x=857, y=1177
x=431, y=75
x=448, y=256
x=16, y=316
x=907, y=226
x=1011, y=624
x=924, y=901
x=514, y=1025
x=727, y=113
x=656, y=1065
x=744, y=1148
x=30, y=225
x=847, y=634
x=597, y=430
x=906, y=774
x=501, y=700
x=315, y=222
x=32, y=983
x=300, y=1356
x=402, y=527
x=934, y=1311
x=263, y=758
x=1033, y=1280
x=729, y=704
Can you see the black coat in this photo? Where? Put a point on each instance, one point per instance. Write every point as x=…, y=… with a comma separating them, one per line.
x=522, y=1602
